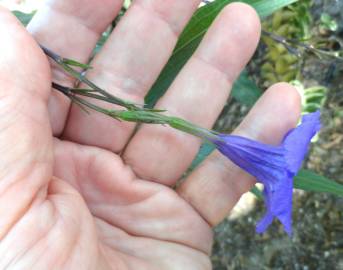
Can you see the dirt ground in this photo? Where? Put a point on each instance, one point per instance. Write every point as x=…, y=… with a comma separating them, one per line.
x=317, y=242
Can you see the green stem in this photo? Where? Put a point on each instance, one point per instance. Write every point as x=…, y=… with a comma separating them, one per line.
x=133, y=113
x=158, y=118
x=137, y=116
x=291, y=43
x=62, y=62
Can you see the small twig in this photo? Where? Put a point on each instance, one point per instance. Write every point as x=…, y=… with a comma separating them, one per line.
x=65, y=90
x=292, y=45
x=62, y=62
x=82, y=92
x=69, y=91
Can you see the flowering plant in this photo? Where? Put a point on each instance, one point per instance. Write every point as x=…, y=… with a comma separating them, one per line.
x=273, y=166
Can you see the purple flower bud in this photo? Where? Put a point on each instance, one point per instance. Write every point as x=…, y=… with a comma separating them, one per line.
x=273, y=166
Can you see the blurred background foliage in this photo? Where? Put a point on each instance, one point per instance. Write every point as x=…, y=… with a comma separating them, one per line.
x=302, y=44
x=281, y=63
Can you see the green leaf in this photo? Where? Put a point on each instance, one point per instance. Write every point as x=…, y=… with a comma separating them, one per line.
x=193, y=34
x=245, y=90
x=24, y=18
x=310, y=181
x=205, y=150
x=326, y=21
x=75, y=63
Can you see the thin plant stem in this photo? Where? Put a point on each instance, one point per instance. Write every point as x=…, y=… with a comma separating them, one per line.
x=62, y=62
x=145, y=116
x=293, y=44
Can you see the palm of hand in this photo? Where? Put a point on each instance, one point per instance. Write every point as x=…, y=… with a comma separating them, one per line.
x=73, y=203
x=109, y=219
x=118, y=222
x=92, y=211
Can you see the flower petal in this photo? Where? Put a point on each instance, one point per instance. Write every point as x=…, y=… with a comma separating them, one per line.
x=279, y=202
x=264, y=223
x=297, y=141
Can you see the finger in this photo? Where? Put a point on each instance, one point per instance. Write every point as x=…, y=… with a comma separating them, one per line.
x=25, y=134
x=198, y=94
x=70, y=28
x=128, y=65
x=272, y=117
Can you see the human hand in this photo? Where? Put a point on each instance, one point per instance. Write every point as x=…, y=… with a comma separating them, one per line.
x=81, y=191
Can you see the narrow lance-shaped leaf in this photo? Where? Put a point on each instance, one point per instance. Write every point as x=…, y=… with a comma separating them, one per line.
x=193, y=34
x=310, y=181
x=245, y=91
x=24, y=18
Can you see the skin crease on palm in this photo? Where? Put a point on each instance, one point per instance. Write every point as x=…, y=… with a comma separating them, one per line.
x=82, y=191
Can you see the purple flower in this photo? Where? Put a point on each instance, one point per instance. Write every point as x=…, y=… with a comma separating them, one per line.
x=273, y=166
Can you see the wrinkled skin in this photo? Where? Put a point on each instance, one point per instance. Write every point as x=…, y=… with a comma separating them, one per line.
x=82, y=191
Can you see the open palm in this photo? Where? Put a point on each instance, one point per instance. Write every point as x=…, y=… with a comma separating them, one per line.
x=81, y=191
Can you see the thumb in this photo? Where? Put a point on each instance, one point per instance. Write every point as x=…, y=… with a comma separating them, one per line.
x=25, y=133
